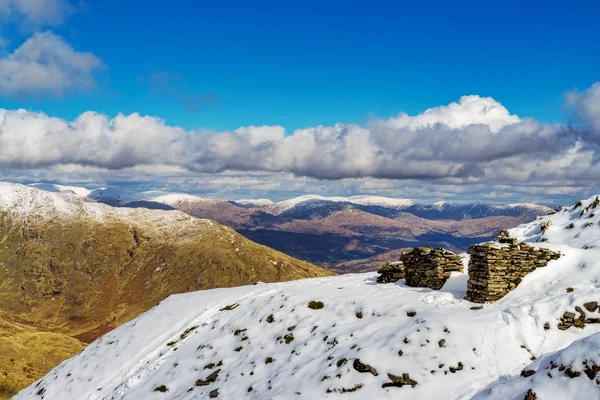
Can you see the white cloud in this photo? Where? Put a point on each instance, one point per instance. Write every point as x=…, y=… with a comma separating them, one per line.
x=586, y=105
x=473, y=146
x=34, y=14
x=470, y=110
x=45, y=64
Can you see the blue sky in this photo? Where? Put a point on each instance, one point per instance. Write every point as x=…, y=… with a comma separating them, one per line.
x=300, y=64
x=277, y=99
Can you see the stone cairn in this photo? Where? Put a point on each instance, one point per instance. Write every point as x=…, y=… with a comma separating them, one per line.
x=390, y=272
x=496, y=268
x=426, y=267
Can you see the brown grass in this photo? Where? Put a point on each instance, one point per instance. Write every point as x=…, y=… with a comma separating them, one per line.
x=26, y=354
x=82, y=277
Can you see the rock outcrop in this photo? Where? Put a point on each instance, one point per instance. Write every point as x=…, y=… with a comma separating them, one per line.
x=496, y=268
x=426, y=267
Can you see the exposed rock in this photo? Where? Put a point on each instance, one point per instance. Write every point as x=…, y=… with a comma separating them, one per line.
x=399, y=381
x=426, y=267
x=530, y=395
x=547, y=326
x=546, y=225
x=570, y=319
x=526, y=373
x=362, y=368
x=496, y=268
x=209, y=379
x=457, y=368
x=591, y=306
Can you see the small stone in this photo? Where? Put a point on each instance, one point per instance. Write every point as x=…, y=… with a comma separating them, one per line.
x=530, y=395
x=399, y=381
x=569, y=316
x=458, y=368
x=547, y=326
x=209, y=379
x=526, y=373
x=214, y=393
x=591, y=306
x=442, y=343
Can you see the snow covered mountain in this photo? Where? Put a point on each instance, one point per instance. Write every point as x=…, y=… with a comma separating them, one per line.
x=347, y=337
x=350, y=234
x=76, y=190
x=308, y=205
x=298, y=204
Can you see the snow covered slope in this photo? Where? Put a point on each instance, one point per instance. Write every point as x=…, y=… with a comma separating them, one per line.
x=347, y=337
x=77, y=190
x=571, y=373
x=255, y=202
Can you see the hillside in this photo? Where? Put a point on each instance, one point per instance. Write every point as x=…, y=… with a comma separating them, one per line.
x=19, y=365
x=344, y=233
x=80, y=269
x=347, y=337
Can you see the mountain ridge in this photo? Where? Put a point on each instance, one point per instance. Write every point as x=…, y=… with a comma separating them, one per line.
x=108, y=194
x=347, y=337
x=78, y=269
x=311, y=227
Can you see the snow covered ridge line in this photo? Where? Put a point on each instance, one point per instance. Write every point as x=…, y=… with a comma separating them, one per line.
x=32, y=202
x=347, y=337
x=173, y=199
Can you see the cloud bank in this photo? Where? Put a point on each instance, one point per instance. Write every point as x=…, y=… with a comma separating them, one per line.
x=475, y=141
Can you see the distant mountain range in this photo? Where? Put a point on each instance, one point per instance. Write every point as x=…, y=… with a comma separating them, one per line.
x=348, y=234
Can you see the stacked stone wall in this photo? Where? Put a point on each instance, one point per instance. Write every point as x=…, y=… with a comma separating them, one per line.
x=426, y=267
x=496, y=268
x=390, y=272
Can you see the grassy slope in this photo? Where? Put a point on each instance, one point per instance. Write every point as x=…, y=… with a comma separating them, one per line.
x=80, y=276
x=26, y=354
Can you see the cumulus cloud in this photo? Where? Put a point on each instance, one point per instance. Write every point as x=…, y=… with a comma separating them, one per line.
x=586, y=106
x=46, y=64
x=33, y=14
x=474, y=143
x=470, y=110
